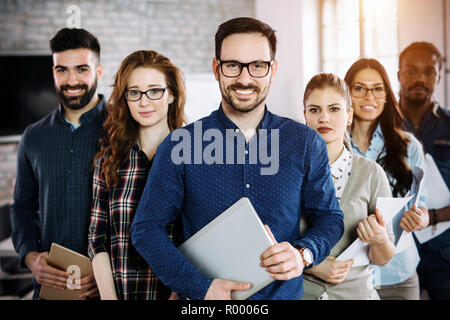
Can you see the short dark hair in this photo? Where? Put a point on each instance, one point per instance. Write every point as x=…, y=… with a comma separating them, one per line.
x=245, y=25
x=424, y=47
x=68, y=38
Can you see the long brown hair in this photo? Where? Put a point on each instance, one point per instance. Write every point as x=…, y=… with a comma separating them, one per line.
x=390, y=120
x=120, y=127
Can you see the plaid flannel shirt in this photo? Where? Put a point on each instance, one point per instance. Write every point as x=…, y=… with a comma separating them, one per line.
x=111, y=217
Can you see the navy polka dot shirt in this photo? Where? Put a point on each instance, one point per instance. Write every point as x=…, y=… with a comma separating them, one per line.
x=197, y=192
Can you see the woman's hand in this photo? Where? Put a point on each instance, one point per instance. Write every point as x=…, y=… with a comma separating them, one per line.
x=331, y=270
x=373, y=229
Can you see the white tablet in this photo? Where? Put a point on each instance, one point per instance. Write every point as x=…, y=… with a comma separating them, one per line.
x=229, y=248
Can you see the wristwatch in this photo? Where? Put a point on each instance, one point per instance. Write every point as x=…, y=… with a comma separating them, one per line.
x=307, y=256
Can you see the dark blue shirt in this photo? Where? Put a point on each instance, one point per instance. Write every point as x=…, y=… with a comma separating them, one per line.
x=53, y=191
x=434, y=133
x=199, y=192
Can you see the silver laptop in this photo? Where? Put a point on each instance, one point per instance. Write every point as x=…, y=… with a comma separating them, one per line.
x=229, y=248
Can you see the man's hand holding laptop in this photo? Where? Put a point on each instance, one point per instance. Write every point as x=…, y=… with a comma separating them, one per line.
x=282, y=261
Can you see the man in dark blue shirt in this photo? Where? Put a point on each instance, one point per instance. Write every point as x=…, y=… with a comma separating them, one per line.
x=198, y=172
x=419, y=73
x=53, y=191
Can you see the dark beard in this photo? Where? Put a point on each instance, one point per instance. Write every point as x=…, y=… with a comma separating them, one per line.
x=415, y=102
x=77, y=103
x=249, y=108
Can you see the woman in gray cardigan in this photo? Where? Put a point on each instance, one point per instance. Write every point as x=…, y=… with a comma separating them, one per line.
x=358, y=183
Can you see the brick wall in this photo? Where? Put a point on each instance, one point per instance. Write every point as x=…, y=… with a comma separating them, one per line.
x=7, y=172
x=183, y=30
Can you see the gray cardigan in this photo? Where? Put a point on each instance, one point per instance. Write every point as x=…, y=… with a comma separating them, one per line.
x=366, y=183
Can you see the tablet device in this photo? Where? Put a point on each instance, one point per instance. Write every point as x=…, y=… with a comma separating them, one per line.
x=230, y=246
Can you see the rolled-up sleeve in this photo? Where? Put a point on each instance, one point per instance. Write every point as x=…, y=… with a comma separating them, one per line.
x=99, y=223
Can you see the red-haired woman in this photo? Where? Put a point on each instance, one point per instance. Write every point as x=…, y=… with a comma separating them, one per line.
x=147, y=103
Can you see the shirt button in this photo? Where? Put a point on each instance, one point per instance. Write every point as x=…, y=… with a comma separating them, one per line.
x=247, y=186
x=246, y=151
x=71, y=150
x=69, y=172
x=236, y=130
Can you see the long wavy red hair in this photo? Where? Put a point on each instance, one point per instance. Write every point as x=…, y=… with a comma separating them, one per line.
x=120, y=128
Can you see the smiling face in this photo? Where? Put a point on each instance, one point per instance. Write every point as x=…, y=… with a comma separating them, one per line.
x=148, y=112
x=244, y=93
x=326, y=112
x=368, y=107
x=75, y=73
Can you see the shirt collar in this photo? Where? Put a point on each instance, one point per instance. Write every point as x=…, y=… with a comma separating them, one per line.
x=378, y=132
x=376, y=143
x=86, y=117
x=337, y=168
x=434, y=109
x=228, y=124
x=137, y=151
x=136, y=146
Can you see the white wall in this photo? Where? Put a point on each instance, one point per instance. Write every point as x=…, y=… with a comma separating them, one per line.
x=423, y=20
x=285, y=16
x=202, y=95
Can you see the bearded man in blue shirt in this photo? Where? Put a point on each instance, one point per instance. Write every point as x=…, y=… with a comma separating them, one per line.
x=201, y=184
x=53, y=191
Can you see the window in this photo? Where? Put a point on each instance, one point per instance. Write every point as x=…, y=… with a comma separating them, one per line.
x=353, y=29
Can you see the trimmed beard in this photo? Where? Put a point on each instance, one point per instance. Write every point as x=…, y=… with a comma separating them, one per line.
x=77, y=103
x=416, y=102
x=261, y=96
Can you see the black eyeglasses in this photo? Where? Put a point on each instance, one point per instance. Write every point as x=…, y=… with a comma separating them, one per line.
x=152, y=94
x=359, y=91
x=233, y=69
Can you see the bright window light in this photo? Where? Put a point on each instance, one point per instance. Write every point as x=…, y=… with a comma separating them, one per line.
x=353, y=29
